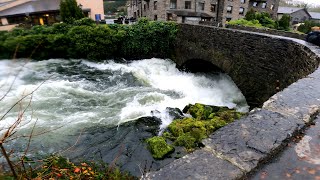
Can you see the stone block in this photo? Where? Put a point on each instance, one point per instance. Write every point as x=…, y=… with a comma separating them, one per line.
x=250, y=141
x=201, y=164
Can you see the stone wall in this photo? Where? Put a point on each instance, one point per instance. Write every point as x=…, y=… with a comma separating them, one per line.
x=260, y=65
x=269, y=31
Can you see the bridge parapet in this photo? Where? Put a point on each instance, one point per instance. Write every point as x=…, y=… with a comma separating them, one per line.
x=259, y=64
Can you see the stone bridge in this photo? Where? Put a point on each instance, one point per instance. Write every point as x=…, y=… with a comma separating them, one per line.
x=259, y=64
x=256, y=62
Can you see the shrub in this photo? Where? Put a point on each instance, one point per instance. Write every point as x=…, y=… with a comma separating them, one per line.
x=85, y=39
x=244, y=22
x=306, y=26
x=250, y=15
x=265, y=20
x=284, y=23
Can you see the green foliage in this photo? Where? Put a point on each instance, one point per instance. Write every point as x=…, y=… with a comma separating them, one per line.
x=256, y=19
x=284, y=23
x=243, y=22
x=70, y=11
x=306, y=26
x=57, y=167
x=84, y=22
x=153, y=38
x=159, y=147
x=250, y=15
x=85, y=39
x=265, y=20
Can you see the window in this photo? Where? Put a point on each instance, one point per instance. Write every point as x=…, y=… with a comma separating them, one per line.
x=213, y=8
x=229, y=9
x=242, y=1
x=255, y=4
x=228, y=19
x=155, y=17
x=173, y=4
x=17, y=20
x=264, y=5
x=169, y=17
x=241, y=10
x=155, y=5
x=201, y=6
x=144, y=7
x=187, y=4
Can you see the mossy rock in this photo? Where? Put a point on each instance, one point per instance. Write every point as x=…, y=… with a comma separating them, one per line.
x=186, y=140
x=189, y=132
x=159, y=147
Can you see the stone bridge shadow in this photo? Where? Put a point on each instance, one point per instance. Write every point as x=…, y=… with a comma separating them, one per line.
x=259, y=64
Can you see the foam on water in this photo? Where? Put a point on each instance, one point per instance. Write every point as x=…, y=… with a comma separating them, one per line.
x=80, y=93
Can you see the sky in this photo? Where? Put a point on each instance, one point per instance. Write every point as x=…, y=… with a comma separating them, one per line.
x=315, y=2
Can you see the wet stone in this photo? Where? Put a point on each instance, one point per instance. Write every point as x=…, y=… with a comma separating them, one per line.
x=251, y=140
x=122, y=146
x=201, y=164
x=301, y=100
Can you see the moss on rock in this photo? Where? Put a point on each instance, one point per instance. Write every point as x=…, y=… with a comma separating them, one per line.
x=189, y=132
x=159, y=147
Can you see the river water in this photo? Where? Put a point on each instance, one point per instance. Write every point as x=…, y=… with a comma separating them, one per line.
x=73, y=94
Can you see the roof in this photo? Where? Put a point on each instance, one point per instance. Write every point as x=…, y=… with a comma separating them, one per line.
x=288, y=10
x=314, y=15
x=32, y=7
x=189, y=14
x=5, y=3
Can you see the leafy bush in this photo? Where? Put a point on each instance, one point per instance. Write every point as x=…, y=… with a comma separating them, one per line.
x=152, y=38
x=85, y=39
x=243, y=22
x=84, y=22
x=250, y=15
x=265, y=20
x=284, y=23
x=306, y=26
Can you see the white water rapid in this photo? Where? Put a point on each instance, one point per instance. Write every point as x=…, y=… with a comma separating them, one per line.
x=79, y=93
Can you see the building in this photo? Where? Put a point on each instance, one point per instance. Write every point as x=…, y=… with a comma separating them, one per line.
x=211, y=12
x=297, y=15
x=40, y=12
x=268, y=6
x=315, y=17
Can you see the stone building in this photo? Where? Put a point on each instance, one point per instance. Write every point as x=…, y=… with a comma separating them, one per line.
x=211, y=12
x=298, y=15
x=40, y=12
x=269, y=6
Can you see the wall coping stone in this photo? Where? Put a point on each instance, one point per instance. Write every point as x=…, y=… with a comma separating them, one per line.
x=269, y=31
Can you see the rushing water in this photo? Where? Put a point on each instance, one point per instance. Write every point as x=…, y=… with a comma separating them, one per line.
x=79, y=93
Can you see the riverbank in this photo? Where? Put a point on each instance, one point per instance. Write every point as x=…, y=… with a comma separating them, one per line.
x=87, y=40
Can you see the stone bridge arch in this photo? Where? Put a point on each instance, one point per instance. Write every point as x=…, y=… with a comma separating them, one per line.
x=199, y=65
x=259, y=64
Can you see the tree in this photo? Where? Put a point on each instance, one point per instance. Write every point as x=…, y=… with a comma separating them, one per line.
x=251, y=15
x=70, y=11
x=284, y=22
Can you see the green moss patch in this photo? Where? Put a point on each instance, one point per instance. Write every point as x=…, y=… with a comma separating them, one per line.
x=189, y=132
x=159, y=147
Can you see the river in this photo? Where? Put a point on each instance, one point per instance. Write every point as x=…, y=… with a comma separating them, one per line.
x=77, y=94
